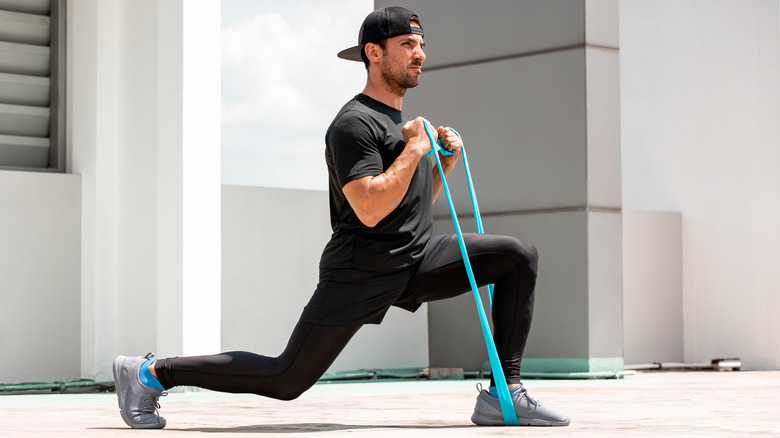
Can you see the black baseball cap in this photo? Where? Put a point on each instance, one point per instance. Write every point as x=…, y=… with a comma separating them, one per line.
x=379, y=25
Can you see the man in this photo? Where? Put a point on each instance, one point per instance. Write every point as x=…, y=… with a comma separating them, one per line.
x=381, y=253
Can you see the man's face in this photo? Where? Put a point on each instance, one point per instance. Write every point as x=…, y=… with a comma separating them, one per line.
x=402, y=61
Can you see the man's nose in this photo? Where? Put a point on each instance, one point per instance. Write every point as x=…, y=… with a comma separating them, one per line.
x=419, y=54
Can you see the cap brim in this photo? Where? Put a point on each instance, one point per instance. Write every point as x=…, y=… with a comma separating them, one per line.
x=351, y=54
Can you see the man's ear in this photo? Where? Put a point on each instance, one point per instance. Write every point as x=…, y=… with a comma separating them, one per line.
x=373, y=52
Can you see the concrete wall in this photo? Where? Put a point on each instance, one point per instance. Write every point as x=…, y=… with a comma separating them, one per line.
x=701, y=104
x=652, y=287
x=271, y=245
x=533, y=88
x=40, y=287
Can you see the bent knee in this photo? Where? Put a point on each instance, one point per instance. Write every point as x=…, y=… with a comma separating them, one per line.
x=524, y=253
x=286, y=392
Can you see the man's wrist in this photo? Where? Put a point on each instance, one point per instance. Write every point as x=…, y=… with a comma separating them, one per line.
x=418, y=146
x=445, y=167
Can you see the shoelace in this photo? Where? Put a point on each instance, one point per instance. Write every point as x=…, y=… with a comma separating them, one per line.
x=520, y=390
x=524, y=392
x=151, y=402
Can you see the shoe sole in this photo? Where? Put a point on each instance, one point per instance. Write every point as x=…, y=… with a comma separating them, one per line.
x=489, y=421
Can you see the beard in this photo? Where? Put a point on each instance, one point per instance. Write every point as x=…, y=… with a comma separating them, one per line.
x=398, y=78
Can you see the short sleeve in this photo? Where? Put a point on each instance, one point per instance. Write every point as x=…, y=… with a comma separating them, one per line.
x=353, y=145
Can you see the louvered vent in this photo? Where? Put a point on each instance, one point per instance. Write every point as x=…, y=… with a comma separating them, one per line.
x=30, y=95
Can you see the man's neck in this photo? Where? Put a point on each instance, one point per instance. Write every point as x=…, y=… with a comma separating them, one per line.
x=379, y=90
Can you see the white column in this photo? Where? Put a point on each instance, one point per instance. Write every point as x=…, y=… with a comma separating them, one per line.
x=91, y=120
x=189, y=203
x=144, y=133
x=202, y=176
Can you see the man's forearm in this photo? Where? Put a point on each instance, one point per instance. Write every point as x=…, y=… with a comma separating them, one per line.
x=374, y=197
x=437, y=180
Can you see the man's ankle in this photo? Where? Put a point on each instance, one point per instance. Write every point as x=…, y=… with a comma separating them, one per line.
x=493, y=392
x=148, y=378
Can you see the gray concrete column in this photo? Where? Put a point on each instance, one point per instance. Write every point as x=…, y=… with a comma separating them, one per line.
x=533, y=87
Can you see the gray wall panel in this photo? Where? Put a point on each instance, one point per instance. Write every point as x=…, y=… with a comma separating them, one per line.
x=605, y=288
x=523, y=124
x=271, y=245
x=652, y=286
x=462, y=30
x=40, y=277
x=603, y=75
x=602, y=23
x=560, y=326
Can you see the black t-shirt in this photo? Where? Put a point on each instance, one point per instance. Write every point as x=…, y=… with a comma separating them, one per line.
x=364, y=139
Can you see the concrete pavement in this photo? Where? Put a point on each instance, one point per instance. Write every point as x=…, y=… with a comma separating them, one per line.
x=652, y=404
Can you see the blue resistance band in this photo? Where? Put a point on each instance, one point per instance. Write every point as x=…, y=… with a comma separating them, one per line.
x=474, y=206
x=505, y=400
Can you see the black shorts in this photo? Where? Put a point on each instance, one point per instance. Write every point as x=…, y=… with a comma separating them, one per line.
x=352, y=296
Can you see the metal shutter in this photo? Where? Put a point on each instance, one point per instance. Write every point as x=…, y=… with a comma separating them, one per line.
x=31, y=71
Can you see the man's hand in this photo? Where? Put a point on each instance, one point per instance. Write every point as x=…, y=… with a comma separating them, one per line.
x=452, y=143
x=416, y=138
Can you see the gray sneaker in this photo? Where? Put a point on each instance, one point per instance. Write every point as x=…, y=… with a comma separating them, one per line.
x=137, y=403
x=530, y=412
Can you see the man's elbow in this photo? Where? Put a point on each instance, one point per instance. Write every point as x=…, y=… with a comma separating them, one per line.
x=368, y=219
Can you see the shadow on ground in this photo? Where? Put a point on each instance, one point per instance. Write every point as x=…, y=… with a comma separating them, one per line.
x=315, y=427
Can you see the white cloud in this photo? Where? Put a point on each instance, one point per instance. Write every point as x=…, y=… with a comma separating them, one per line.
x=281, y=86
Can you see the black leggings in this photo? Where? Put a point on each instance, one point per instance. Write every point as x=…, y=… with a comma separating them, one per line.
x=507, y=262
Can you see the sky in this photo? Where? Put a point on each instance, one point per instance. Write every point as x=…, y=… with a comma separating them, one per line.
x=282, y=84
